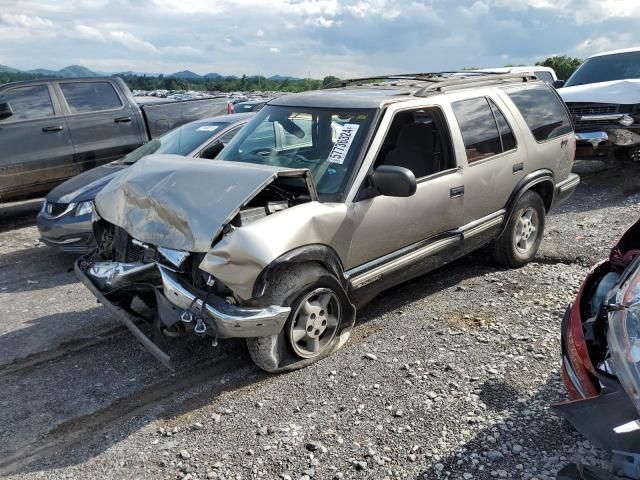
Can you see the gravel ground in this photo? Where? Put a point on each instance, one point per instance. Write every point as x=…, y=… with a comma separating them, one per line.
x=448, y=376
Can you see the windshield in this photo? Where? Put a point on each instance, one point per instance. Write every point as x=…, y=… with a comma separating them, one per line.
x=326, y=141
x=620, y=66
x=180, y=141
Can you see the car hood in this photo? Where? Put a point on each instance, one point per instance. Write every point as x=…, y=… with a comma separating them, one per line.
x=184, y=204
x=85, y=186
x=617, y=92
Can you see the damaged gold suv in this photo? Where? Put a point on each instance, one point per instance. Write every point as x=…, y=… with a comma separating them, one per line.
x=323, y=200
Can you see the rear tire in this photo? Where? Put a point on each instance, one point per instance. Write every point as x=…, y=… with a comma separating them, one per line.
x=320, y=321
x=523, y=233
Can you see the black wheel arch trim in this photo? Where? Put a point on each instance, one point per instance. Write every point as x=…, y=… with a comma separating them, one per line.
x=524, y=185
x=317, y=252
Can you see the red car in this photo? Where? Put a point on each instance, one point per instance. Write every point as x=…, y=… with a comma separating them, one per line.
x=601, y=350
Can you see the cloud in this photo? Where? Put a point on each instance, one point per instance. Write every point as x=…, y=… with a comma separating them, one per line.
x=89, y=33
x=293, y=37
x=129, y=40
x=25, y=21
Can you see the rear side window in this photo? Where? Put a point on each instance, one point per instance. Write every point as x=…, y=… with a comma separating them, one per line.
x=83, y=97
x=543, y=111
x=28, y=102
x=506, y=135
x=479, y=128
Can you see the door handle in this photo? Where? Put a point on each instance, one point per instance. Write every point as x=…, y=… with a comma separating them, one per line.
x=122, y=119
x=456, y=192
x=53, y=128
x=518, y=167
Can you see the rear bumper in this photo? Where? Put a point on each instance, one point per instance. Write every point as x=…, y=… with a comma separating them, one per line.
x=177, y=302
x=566, y=188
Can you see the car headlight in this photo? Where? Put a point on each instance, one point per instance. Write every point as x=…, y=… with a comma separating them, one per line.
x=84, y=208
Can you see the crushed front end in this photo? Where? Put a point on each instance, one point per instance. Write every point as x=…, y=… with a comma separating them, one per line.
x=601, y=351
x=141, y=283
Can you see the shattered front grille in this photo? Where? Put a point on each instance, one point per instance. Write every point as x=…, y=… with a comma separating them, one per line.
x=578, y=109
x=135, y=253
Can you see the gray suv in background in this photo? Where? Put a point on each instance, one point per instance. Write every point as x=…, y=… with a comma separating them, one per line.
x=323, y=200
x=64, y=221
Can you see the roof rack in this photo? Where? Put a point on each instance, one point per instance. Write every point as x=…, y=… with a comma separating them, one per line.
x=428, y=77
x=439, y=82
x=454, y=83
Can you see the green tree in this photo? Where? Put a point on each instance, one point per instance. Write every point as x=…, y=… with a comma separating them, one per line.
x=563, y=65
x=329, y=79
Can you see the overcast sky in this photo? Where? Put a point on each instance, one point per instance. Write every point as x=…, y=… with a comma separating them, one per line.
x=295, y=37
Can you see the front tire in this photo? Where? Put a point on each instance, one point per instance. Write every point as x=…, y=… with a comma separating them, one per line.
x=320, y=322
x=523, y=233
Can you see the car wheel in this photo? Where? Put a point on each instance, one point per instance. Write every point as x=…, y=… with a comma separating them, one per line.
x=320, y=321
x=521, y=238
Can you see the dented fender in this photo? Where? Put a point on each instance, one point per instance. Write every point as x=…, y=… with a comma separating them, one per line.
x=238, y=259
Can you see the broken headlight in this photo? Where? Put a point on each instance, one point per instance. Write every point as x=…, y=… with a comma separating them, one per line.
x=624, y=335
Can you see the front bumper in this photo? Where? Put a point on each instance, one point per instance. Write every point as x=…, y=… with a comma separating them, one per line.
x=229, y=320
x=174, y=299
x=67, y=233
x=602, y=141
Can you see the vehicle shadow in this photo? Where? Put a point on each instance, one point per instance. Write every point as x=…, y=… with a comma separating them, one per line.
x=35, y=268
x=19, y=214
x=545, y=435
x=53, y=336
x=473, y=265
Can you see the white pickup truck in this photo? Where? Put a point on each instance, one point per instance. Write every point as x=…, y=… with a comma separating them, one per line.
x=603, y=95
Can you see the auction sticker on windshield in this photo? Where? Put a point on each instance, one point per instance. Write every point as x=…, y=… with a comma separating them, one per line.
x=207, y=128
x=343, y=143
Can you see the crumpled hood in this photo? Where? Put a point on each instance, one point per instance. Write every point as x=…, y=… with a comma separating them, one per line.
x=85, y=186
x=182, y=203
x=617, y=92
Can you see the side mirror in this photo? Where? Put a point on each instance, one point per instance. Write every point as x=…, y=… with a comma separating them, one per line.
x=5, y=110
x=212, y=151
x=393, y=181
x=558, y=83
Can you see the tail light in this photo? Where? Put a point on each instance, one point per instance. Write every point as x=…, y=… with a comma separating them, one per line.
x=229, y=107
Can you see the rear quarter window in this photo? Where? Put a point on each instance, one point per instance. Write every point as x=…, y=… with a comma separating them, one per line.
x=542, y=110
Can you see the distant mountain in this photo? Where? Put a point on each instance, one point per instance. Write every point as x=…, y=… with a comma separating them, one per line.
x=5, y=69
x=280, y=78
x=185, y=75
x=72, y=71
